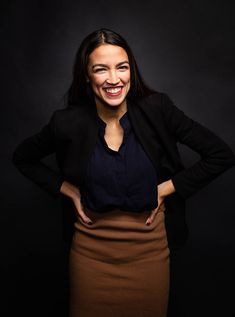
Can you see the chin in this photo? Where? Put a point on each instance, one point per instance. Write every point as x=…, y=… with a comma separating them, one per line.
x=112, y=102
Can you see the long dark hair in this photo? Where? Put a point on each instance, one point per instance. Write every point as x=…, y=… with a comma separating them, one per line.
x=80, y=89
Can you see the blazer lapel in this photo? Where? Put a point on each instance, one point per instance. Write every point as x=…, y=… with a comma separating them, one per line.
x=146, y=136
x=151, y=131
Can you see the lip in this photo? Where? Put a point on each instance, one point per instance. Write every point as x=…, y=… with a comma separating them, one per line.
x=117, y=94
x=113, y=87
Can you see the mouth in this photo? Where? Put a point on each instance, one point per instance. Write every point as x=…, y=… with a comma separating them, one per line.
x=113, y=92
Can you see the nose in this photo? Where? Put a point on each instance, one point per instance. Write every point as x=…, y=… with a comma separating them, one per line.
x=113, y=78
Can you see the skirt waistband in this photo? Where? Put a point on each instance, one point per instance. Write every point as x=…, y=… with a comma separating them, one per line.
x=118, y=214
x=120, y=236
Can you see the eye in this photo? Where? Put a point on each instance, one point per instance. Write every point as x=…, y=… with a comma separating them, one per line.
x=123, y=67
x=99, y=69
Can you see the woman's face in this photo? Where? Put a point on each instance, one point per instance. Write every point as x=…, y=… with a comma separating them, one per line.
x=109, y=74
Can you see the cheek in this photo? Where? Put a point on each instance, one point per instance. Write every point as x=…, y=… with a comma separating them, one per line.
x=98, y=82
x=126, y=78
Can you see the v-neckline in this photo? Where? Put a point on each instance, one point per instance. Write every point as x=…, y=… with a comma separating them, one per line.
x=120, y=119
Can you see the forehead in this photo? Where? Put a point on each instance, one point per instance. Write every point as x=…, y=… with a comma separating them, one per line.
x=107, y=53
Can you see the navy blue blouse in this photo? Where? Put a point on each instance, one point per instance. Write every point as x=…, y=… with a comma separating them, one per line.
x=124, y=179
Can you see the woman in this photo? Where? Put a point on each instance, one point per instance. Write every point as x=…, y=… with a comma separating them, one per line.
x=122, y=183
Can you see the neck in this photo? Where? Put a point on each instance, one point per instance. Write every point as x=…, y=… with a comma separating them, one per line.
x=110, y=113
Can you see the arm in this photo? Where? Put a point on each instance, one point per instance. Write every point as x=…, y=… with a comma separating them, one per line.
x=216, y=155
x=27, y=155
x=166, y=188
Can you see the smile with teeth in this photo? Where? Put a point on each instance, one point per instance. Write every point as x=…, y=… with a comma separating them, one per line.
x=113, y=91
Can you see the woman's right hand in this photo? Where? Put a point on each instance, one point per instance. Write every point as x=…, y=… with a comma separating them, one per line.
x=73, y=192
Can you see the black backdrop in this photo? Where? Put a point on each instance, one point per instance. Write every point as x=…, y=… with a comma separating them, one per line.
x=183, y=48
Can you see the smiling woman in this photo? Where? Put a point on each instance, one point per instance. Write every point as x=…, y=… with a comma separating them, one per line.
x=121, y=180
x=109, y=76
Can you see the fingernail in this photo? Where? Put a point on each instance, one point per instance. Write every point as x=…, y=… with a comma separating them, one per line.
x=90, y=222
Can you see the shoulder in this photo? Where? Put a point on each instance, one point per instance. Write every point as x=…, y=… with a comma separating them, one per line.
x=61, y=114
x=161, y=102
x=157, y=99
x=71, y=114
x=67, y=120
x=156, y=102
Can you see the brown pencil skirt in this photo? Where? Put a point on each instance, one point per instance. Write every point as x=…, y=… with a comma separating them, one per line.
x=119, y=266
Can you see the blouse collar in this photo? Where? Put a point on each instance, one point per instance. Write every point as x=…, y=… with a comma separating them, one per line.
x=124, y=121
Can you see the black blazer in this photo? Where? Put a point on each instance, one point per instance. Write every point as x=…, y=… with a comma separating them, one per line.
x=71, y=134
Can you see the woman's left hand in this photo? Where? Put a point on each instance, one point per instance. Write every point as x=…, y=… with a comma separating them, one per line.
x=164, y=189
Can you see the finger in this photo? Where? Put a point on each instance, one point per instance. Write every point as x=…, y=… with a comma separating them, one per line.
x=151, y=217
x=162, y=207
x=81, y=213
x=84, y=217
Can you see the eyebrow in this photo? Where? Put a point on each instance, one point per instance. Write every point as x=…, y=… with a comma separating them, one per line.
x=106, y=65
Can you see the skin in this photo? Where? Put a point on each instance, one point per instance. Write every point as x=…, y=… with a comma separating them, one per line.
x=114, y=72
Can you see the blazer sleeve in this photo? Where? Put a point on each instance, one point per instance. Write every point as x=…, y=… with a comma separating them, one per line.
x=28, y=154
x=215, y=155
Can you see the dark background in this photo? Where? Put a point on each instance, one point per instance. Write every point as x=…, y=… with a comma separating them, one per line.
x=183, y=48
